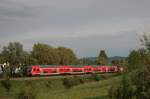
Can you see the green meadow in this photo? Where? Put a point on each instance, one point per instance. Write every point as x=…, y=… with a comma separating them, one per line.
x=84, y=88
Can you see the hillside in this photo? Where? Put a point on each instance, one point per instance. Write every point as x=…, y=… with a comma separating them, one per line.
x=110, y=58
x=54, y=89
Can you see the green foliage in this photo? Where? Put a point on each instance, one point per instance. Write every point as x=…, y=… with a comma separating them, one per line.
x=7, y=72
x=115, y=62
x=135, y=85
x=13, y=53
x=121, y=62
x=6, y=84
x=78, y=80
x=86, y=61
x=146, y=41
x=67, y=56
x=25, y=95
x=81, y=80
x=28, y=59
x=48, y=83
x=95, y=77
x=134, y=60
x=45, y=54
x=68, y=83
x=137, y=59
x=16, y=57
x=39, y=89
x=141, y=79
x=28, y=92
x=124, y=91
x=102, y=59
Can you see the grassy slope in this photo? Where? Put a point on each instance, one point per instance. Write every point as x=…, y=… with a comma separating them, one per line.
x=94, y=90
x=55, y=90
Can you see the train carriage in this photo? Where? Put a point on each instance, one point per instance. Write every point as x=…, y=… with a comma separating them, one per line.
x=77, y=69
x=65, y=69
x=88, y=69
x=68, y=69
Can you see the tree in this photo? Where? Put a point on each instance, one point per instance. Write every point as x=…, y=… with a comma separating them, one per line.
x=145, y=40
x=67, y=56
x=138, y=58
x=6, y=83
x=115, y=62
x=134, y=60
x=28, y=59
x=137, y=86
x=86, y=61
x=141, y=80
x=125, y=90
x=45, y=54
x=102, y=59
x=13, y=53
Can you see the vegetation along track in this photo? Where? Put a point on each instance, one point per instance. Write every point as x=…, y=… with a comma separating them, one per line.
x=56, y=76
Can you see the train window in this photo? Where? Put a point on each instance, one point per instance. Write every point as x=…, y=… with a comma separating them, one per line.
x=34, y=69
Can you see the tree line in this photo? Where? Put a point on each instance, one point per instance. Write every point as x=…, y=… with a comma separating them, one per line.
x=135, y=83
x=40, y=54
x=15, y=55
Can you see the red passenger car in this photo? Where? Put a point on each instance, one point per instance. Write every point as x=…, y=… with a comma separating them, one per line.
x=65, y=69
x=33, y=70
x=49, y=69
x=88, y=69
x=77, y=70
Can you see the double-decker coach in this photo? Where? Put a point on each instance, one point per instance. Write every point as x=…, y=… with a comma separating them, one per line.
x=68, y=69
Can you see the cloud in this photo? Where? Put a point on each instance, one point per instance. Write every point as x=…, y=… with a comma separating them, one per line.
x=69, y=22
x=115, y=45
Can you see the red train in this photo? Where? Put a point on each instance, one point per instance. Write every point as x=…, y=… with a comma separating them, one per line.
x=67, y=69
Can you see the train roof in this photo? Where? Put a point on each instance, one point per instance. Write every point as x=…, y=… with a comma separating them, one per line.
x=45, y=66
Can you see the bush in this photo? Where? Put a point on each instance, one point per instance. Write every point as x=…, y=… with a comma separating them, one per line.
x=26, y=95
x=95, y=77
x=6, y=84
x=27, y=92
x=111, y=92
x=67, y=83
x=125, y=90
x=81, y=81
x=48, y=83
x=70, y=82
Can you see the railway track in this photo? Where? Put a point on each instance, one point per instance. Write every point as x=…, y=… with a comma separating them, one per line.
x=54, y=77
x=49, y=77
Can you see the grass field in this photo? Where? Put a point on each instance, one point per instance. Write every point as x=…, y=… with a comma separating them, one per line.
x=54, y=89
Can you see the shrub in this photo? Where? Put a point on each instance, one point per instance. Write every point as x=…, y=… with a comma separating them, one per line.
x=81, y=80
x=70, y=82
x=6, y=84
x=26, y=95
x=48, y=83
x=95, y=77
x=28, y=92
x=125, y=90
x=67, y=83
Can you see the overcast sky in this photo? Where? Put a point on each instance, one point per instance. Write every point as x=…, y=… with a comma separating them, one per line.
x=83, y=25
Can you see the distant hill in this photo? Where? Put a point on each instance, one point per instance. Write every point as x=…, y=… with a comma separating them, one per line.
x=110, y=58
x=116, y=58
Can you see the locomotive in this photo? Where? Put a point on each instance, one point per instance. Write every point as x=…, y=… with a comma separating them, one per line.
x=35, y=70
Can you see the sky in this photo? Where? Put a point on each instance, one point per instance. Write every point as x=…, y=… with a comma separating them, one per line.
x=86, y=26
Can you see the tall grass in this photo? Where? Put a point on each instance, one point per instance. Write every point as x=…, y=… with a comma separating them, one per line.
x=81, y=88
